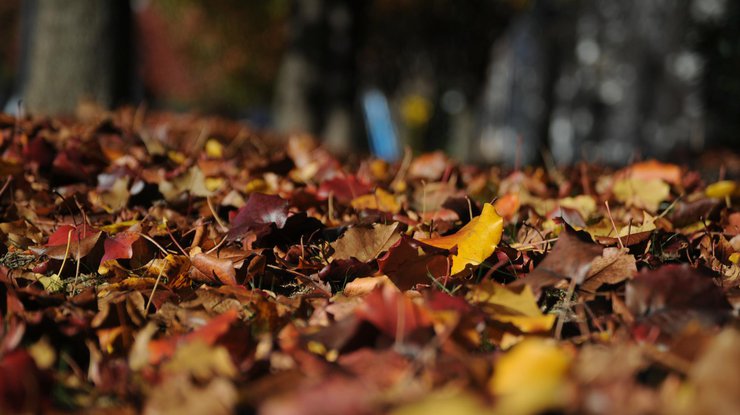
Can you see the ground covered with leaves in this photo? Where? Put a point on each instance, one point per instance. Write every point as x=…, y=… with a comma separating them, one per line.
x=175, y=264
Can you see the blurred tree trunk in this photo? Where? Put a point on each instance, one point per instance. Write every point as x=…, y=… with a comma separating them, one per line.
x=316, y=86
x=78, y=50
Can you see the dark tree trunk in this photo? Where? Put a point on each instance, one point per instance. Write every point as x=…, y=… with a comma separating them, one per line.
x=77, y=50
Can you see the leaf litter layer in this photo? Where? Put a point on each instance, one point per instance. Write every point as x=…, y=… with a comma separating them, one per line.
x=176, y=264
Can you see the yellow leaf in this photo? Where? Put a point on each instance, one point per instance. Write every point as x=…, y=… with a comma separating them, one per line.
x=507, y=306
x=257, y=185
x=584, y=204
x=176, y=156
x=645, y=194
x=117, y=227
x=721, y=189
x=531, y=378
x=214, y=149
x=380, y=200
x=214, y=183
x=475, y=242
x=445, y=403
x=201, y=361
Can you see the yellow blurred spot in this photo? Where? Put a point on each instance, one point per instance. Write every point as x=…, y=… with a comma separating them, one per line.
x=176, y=156
x=445, y=402
x=316, y=348
x=721, y=189
x=256, y=185
x=416, y=110
x=214, y=149
x=43, y=353
x=214, y=183
x=379, y=169
x=380, y=200
x=531, y=378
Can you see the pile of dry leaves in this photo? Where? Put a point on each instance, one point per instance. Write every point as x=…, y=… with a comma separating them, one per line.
x=175, y=264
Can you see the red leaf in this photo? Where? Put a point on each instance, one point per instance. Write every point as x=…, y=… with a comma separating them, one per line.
x=258, y=213
x=81, y=240
x=406, y=267
x=392, y=312
x=344, y=189
x=209, y=334
x=120, y=246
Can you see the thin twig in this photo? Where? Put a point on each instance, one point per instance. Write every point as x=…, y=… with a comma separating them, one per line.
x=156, y=283
x=614, y=226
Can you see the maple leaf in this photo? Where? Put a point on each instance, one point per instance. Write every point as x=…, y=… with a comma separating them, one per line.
x=119, y=246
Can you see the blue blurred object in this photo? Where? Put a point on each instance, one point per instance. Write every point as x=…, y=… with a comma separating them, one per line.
x=381, y=131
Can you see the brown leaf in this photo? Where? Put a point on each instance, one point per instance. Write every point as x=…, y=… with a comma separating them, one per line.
x=210, y=268
x=406, y=267
x=366, y=244
x=613, y=266
x=571, y=258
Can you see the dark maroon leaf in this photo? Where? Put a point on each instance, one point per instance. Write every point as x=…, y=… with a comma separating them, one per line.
x=406, y=267
x=344, y=189
x=258, y=214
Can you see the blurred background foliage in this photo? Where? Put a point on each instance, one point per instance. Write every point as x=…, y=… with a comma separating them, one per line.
x=486, y=80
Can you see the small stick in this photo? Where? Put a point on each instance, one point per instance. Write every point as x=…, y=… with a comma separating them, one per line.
x=561, y=321
x=614, y=226
x=218, y=220
x=156, y=283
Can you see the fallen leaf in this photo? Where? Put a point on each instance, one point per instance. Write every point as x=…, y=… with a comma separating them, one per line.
x=721, y=189
x=475, y=242
x=366, y=244
x=518, y=308
x=407, y=267
x=380, y=200
x=161, y=349
x=393, y=313
x=531, y=378
x=119, y=246
x=571, y=258
x=201, y=361
x=642, y=193
x=71, y=241
x=343, y=189
x=652, y=169
x=210, y=268
x=258, y=214
x=429, y=166
x=613, y=266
